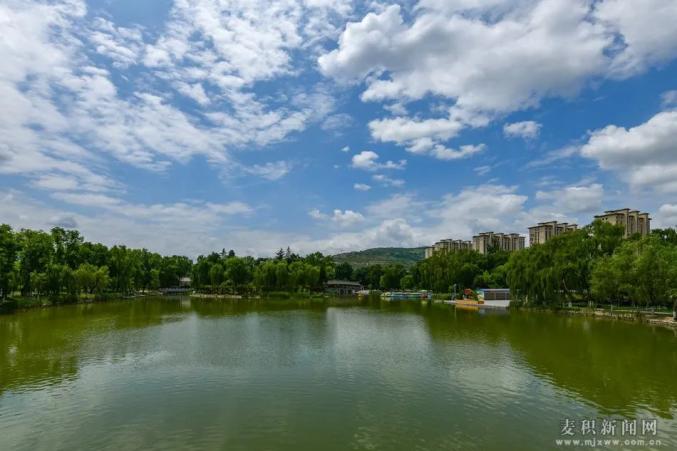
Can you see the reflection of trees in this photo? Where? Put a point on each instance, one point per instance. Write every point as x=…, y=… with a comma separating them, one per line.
x=618, y=366
x=447, y=323
x=45, y=346
x=218, y=307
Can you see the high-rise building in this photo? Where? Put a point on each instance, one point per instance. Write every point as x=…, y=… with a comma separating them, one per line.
x=542, y=232
x=633, y=221
x=447, y=246
x=483, y=242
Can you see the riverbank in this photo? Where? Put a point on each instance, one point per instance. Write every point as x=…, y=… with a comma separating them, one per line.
x=15, y=304
x=620, y=314
x=19, y=303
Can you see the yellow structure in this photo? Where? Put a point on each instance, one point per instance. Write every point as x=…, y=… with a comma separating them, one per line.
x=447, y=246
x=503, y=241
x=542, y=232
x=633, y=221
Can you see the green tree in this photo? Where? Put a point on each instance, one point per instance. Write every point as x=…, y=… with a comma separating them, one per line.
x=85, y=277
x=216, y=275
x=344, y=271
x=392, y=275
x=36, y=252
x=67, y=245
x=407, y=282
x=238, y=271
x=9, y=247
x=102, y=280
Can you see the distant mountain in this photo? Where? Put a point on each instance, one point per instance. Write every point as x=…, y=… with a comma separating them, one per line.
x=382, y=255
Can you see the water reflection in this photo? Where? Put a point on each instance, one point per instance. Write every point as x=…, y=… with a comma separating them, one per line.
x=44, y=346
x=620, y=367
x=261, y=374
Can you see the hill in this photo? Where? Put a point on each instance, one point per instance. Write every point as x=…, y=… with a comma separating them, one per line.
x=382, y=256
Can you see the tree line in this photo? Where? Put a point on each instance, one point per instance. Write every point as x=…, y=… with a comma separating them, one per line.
x=62, y=265
x=593, y=264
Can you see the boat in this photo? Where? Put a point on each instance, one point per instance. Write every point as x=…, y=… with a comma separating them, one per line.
x=488, y=298
x=468, y=304
x=393, y=296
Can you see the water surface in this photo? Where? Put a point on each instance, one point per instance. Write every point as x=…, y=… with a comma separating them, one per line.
x=171, y=373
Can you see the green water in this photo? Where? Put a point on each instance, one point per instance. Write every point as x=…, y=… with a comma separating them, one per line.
x=176, y=374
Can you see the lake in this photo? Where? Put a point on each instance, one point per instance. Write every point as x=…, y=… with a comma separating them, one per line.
x=180, y=374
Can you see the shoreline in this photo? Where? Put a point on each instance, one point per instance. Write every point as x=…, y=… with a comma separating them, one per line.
x=653, y=319
x=24, y=304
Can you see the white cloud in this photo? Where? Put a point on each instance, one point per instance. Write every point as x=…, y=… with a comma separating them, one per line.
x=574, y=199
x=159, y=213
x=424, y=136
x=194, y=91
x=361, y=187
x=388, y=233
x=347, y=218
x=388, y=181
x=492, y=58
x=477, y=209
x=482, y=170
x=67, y=113
x=645, y=154
x=525, y=129
x=342, y=218
x=123, y=45
x=345, y=149
x=669, y=99
x=553, y=156
x=317, y=214
x=368, y=161
x=647, y=30
x=56, y=182
x=397, y=205
x=271, y=170
x=667, y=216
x=337, y=122
x=185, y=228
x=463, y=57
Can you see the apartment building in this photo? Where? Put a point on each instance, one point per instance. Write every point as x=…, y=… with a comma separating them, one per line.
x=447, y=246
x=633, y=221
x=483, y=242
x=542, y=232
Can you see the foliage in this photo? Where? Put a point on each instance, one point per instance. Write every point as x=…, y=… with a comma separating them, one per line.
x=591, y=264
x=643, y=271
x=561, y=269
x=61, y=263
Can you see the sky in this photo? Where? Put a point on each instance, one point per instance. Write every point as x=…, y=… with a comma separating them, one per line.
x=186, y=126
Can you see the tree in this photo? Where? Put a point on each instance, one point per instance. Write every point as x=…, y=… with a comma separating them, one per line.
x=85, y=277
x=391, y=277
x=238, y=271
x=36, y=252
x=407, y=282
x=344, y=271
x=101, y=280
x=67, y=247
x=8, y=256
x=121, y=270
x=216, y=275
x=154, y=279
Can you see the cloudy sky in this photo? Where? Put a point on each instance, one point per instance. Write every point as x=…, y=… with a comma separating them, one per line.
x=190, y=125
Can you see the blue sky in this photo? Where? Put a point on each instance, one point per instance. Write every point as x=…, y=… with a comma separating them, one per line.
x=190, y=125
